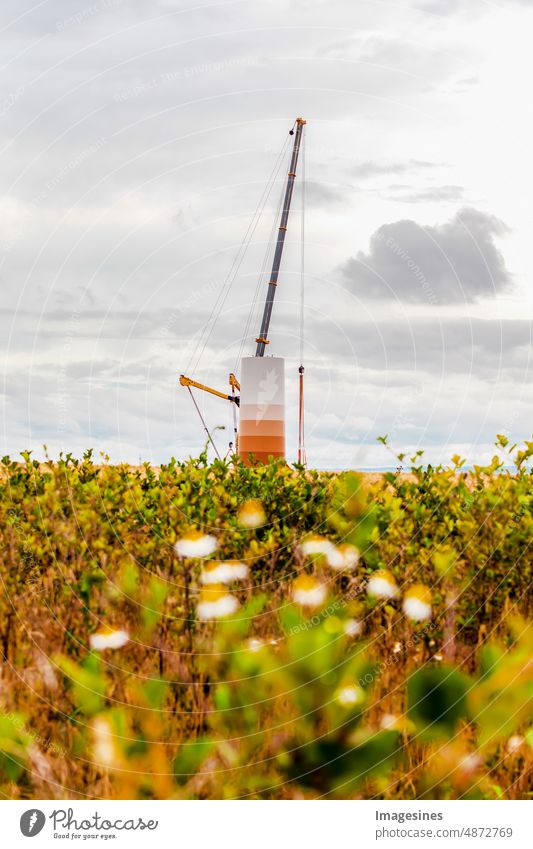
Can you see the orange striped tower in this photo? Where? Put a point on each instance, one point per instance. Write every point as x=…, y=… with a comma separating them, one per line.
x=262, y=410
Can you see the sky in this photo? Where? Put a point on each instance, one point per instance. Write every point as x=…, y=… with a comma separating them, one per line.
x=137, y=140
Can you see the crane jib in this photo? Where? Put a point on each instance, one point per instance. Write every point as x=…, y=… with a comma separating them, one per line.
x=262, y=339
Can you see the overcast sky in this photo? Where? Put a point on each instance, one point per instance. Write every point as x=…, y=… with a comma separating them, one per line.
x=137, y=139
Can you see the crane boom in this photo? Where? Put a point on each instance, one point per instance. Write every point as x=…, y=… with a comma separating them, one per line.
x=187, y=381
x=262, y=339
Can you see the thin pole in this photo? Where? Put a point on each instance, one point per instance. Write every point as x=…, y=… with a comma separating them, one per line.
x=302, y=458
x=235, y=429
x=302, y=258
x=262, y=339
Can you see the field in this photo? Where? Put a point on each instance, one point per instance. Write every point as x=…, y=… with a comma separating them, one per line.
x=215, y=631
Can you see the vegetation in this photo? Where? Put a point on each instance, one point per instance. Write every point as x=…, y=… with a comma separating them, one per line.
x=215, y=631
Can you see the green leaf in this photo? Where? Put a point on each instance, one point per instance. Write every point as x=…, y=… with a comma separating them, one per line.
x=444, y=560
x=437, y=698
x=190, y=757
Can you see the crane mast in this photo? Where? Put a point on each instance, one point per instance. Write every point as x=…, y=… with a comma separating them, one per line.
x=262, y=339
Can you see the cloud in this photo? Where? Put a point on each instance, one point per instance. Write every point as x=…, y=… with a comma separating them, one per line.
x=428, y=380
x=364, y=170
x=458, y=261
x=432, y=194
x=450, y=7
x=322, y=194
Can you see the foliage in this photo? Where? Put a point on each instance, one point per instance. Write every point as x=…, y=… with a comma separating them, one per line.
x=381, y=646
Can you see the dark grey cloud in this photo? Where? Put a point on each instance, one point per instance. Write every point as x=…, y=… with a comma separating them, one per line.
x=458, y=261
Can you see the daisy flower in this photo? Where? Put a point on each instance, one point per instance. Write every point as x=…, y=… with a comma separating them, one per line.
x=388, y=721
x=382, y=585
x=108, y=638
x=308, y=592
x=514, y=743
x=104, y=748
x=325, y=548
x=470, y=763
x=251, y=514
x=350, y=695
x=353, y=628
x=417, y=603
x=350, y=555
x=225, y=572
x=196, y=544
x=254, y=645
x=215, y=602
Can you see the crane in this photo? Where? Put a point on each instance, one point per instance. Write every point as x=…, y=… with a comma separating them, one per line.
x=262, y=340
x=234, y=383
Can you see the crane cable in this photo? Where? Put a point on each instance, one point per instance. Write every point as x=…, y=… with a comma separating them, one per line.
x=266, y=262
x=210, y=438
x=236, y=264
x=302, y=457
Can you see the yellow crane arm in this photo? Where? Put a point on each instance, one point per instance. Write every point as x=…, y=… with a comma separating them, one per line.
x=187, y=381
x=234, y=383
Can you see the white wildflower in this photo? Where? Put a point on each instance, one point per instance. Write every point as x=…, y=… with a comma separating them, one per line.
x=251, y=514
x=470, y=763
x=388, y=721
x=104, y=747
x=350, y=695
x=417, y=603
x=514, y=743
x=350, y=556
x=353, y=628
x=382, y=585
x=107, y=639
x=254, y=645
x=308, y=592
x=325, y=548
x=224, y=572
x=196, y=544
x=216, y=602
